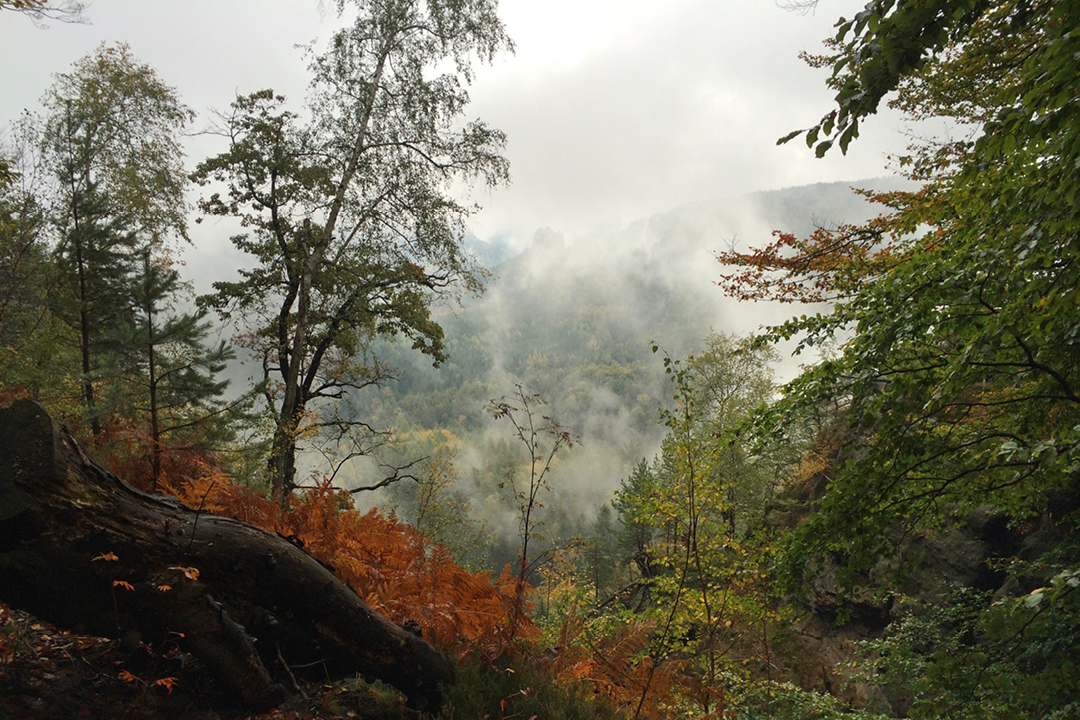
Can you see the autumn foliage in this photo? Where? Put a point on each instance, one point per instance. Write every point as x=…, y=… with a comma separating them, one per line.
x=830, y=265
x=616, y=665
x=397, y=571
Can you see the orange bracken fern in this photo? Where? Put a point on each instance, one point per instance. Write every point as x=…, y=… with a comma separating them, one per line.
x=397, y=571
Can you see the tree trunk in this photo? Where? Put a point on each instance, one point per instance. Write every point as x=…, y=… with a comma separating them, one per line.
x=257, y=601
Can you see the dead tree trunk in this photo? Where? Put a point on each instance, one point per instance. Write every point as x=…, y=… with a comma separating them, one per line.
x=258, y=601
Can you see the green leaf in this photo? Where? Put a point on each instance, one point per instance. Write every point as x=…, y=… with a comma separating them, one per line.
x=789, y=136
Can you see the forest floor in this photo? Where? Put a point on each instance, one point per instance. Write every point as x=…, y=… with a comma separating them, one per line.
x=51, y=674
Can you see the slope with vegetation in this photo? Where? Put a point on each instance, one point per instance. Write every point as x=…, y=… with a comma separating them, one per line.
x=574, y=323
x=893, y=532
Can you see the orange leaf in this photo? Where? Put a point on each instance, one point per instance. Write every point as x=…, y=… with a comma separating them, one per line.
x=167, y=683
x=127, y=677
x=107, y=557
x=123, y=583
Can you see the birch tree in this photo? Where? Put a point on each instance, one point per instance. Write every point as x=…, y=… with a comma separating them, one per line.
x=350, y=214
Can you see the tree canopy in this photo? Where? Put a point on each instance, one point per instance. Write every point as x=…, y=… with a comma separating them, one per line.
x=959, y=315
x=109, y=142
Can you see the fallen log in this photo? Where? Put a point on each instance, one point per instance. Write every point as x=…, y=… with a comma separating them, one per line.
x=83, y=550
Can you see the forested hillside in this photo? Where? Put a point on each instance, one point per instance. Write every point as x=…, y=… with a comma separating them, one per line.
x=575, y=322
x=789, y=455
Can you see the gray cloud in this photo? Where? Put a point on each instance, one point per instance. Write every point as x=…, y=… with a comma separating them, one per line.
x=684, y=106
x=615, y=109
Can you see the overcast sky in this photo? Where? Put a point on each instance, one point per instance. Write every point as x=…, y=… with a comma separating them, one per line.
x=615, y=109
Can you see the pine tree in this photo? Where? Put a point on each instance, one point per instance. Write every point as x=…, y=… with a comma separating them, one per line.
x=94, y=257
x=108, y=142
x=637, y=527
x=602, y=554
x=178, y=380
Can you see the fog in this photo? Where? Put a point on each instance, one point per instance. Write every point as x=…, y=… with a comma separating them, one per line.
x=574, y=321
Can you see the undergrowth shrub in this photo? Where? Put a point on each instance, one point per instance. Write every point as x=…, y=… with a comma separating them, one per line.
x=521, y=686
x=614, y=661
x=396, y=570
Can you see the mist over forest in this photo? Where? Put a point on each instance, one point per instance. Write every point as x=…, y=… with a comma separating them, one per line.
x=574, y=321
x=308, y=411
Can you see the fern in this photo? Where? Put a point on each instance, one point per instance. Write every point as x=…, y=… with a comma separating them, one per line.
x=616, y=665
x=399, y=573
